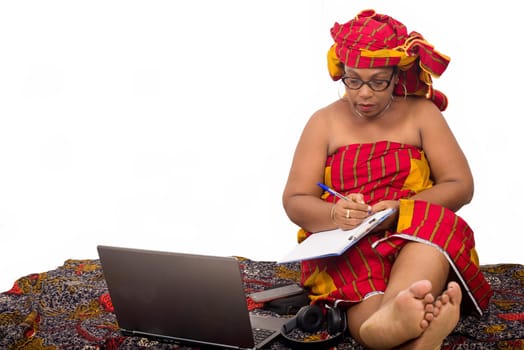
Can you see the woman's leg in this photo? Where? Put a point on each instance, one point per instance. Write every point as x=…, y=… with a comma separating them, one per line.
x=413, y=310
x=443, y=323
x=405, y=310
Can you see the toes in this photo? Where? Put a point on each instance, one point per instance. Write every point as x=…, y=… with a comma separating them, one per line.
x=429, y=298
x=424, y=324
x=429, y=308
x=420, y=289
x=454, y=292
x=436, y=311
x=438, y=302
x=429, y=312
x=444, y=298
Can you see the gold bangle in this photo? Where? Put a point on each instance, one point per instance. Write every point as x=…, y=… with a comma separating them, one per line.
x=333, y=214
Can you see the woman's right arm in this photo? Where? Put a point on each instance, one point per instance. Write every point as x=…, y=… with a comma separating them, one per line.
x=301, y=197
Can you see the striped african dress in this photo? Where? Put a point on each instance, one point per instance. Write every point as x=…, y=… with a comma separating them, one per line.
x=391, y=171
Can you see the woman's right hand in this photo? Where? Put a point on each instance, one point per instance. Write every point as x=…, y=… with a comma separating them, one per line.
x=347, y=214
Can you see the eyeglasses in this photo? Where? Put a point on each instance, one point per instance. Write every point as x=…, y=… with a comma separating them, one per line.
x=374, y=84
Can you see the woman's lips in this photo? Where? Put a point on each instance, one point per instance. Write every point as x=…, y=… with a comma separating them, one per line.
x=366, y=108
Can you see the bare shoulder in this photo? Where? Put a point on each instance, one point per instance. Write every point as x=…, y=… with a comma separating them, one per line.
x=327, y=113
x=424, y=116
x=323, y=120
x=425, y=111
x=436, y=137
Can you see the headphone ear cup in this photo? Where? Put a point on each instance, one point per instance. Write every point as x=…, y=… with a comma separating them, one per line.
x=336, y=320
x=310, y=318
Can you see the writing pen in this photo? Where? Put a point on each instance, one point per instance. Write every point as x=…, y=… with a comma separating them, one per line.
x=332, y=191
x=338, y=195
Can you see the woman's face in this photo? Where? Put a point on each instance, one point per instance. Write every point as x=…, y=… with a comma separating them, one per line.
x=369, y=90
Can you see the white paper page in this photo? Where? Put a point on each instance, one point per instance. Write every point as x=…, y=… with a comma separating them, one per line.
x=333, y=242
x=319, y=244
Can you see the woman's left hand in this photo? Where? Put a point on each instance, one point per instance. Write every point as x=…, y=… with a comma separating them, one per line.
x=390, y=221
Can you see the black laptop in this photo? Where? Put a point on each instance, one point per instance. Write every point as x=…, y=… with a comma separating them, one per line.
x=186, y=298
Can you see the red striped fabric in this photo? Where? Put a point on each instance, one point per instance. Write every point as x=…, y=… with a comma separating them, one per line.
x=374, y=32
x=436, y=225
x=377, y=170
x=382, y=171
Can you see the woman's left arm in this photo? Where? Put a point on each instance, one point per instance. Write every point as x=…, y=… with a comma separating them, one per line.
x=453, y=182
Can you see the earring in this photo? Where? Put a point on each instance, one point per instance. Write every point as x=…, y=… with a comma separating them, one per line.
x=341, y=94
x=405, y=89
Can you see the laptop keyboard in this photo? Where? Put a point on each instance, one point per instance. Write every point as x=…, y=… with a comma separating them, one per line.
x=261, y=334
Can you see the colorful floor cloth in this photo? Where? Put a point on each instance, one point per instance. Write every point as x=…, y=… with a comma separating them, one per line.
x=69, y=308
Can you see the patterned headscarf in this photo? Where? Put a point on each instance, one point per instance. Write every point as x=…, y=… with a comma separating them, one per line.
x=373, y=40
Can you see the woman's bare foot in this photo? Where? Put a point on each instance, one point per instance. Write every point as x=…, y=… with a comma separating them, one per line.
x=444, y=321
x=402, y=319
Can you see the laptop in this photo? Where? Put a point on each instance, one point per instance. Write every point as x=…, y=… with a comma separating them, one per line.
x=185, y=298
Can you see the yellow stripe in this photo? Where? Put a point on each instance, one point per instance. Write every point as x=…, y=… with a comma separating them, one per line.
x=419, y=175
x=405, y=214
x=436, y=228
x=327, y=176
x=368, y=268
x=355, y=162
x=450, y=236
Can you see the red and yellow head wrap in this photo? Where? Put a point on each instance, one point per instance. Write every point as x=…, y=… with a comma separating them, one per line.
x=372, y=40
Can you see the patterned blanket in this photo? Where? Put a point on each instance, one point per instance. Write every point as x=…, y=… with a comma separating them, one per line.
x=70, y=308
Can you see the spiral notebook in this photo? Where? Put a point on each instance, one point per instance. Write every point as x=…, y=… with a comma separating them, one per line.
x=334, y=242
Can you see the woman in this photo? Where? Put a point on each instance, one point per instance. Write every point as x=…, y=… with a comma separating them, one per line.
x=386, y=144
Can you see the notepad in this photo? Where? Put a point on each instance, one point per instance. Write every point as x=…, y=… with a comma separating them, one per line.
x=334, y=242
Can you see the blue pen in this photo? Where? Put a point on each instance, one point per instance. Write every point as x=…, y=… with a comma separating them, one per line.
x=332, y=191
x=336, y=194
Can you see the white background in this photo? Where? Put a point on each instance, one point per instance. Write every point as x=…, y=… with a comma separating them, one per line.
x=171, y=125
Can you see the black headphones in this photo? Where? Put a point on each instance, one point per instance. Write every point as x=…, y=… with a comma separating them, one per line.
x=309, y=319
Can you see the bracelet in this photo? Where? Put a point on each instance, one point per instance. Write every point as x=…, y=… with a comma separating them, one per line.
x=333, y=214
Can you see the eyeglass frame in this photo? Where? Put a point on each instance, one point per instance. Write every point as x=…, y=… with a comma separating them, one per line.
x=367, y=82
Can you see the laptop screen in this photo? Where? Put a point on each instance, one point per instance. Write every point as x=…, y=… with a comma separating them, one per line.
x=186, y=297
